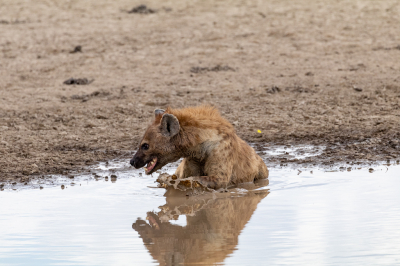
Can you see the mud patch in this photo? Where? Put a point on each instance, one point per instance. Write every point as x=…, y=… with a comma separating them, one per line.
x=77, y=49
x=12, y=22
x=217, y=68
x=78, y=81
x=298, y=89
x=142, y=9
x=87, y=97
x=386, y=48
x=272, y=90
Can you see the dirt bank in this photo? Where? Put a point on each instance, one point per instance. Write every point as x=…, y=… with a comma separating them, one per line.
x=320, y=72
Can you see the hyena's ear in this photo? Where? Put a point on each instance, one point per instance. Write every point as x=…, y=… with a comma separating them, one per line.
x=169, y=125
x=158, y=112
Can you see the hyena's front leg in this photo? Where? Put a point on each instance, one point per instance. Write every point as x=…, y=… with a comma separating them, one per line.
x=218, y=172
x=187, y=168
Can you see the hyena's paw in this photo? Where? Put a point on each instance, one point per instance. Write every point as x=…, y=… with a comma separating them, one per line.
x=206, y=181
x=195, y=183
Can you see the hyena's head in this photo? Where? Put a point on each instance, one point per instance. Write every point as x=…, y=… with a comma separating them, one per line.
x=158, y=147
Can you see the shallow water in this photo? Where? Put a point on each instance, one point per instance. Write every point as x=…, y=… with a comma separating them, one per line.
x=298, y=151
x=300, y=217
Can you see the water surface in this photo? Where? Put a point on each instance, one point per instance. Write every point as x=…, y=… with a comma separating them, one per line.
x=300, y=217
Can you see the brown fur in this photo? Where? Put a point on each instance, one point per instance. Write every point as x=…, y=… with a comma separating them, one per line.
x=212, y=151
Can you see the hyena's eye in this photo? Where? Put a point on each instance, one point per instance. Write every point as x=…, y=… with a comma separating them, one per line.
x=145, y=146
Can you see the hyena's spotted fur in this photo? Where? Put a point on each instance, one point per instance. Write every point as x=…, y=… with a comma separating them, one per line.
x=212, y=151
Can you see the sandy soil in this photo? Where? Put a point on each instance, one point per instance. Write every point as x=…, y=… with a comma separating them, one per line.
x=320, y=72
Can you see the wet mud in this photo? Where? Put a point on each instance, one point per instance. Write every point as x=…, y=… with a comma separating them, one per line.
x=305, y=74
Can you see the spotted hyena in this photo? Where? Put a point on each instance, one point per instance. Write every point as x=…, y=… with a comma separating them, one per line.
x=212, y=152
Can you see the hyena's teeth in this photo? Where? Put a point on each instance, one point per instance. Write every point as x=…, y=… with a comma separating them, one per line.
x=151, y=165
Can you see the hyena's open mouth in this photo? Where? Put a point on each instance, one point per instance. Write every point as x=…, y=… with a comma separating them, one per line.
x=150, y=165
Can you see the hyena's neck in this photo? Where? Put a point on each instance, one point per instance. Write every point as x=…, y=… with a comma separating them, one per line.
x=195, y=153
x=198, y=150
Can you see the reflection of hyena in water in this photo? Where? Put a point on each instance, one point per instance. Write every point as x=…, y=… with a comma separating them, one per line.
x=213, y=154
x=210, y=235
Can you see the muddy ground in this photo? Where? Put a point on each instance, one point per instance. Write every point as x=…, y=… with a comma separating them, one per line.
x=319, y=72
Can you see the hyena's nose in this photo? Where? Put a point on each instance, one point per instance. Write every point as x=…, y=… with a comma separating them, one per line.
x=132, y=162
x=137, y=162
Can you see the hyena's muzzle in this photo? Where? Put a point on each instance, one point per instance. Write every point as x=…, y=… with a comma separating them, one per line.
x=137, y=160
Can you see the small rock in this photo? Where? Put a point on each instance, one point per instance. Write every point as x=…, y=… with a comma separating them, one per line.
x=26, y=172
x=77, y=49
x=371, y=170
x=62, y=186
x=142, y=9
x=273, y=89
x=101, y=117
x=357, y=89
x=79, y=81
